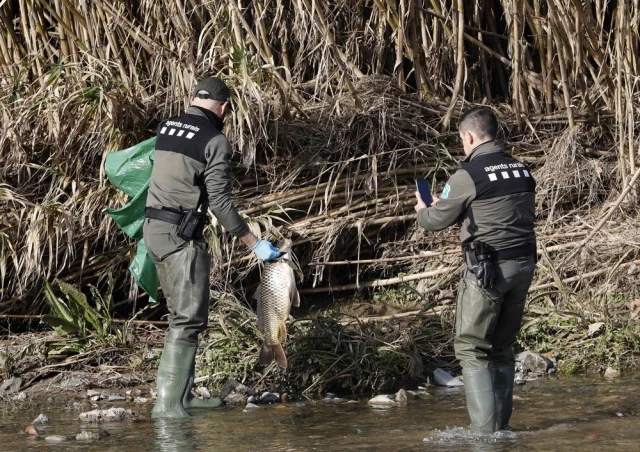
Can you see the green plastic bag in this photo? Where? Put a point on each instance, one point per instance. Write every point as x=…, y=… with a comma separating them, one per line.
x=130, y=171
x=144, y=271
x=130, y=217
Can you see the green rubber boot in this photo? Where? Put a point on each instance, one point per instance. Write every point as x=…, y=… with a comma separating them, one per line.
x=191, y=401
x=502, y=376
x=478, y=390
x=175, y=377
x=172, y=382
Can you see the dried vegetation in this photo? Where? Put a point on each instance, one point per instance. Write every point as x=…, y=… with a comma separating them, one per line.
x=339, y=106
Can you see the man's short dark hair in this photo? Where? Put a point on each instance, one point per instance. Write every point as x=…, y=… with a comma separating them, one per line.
x=481, y=121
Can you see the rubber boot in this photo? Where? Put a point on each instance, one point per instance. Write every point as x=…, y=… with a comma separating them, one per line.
x=173, y=381
x=502, y=376
x=480, y=400
x=191, y=401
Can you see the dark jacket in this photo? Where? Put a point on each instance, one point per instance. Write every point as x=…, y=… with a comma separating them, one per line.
x=491, y=196
x=192, y=166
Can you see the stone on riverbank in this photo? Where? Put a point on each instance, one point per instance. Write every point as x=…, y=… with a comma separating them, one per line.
x=611, y=373
x=11, y=385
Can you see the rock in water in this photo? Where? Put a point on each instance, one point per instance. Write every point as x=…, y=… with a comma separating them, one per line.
x=443, y=378
x=383, y=399
x=56, y=438
x=31, y=430
x=534, y=363
x=41, y=419
x=87, y=436
x=203, y=392
x=228, y=387
x=235, y=398
x=611, y=373
x=519, y=378
x=269, y=398
x=110, y=415
x=402, y=397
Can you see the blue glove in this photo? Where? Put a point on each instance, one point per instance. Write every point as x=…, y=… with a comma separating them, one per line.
x=265, y=250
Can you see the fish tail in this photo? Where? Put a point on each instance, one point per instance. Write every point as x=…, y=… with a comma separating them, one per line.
x=270, y=353
x=267, y=356
x=281, y=358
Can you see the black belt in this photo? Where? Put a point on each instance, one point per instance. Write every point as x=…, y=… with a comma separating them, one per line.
x=525, y=250
x=168, y=216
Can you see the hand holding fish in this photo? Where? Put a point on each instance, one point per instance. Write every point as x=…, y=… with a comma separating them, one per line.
x=275, y=294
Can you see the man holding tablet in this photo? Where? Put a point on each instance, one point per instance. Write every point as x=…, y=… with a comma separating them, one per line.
x=492, y=198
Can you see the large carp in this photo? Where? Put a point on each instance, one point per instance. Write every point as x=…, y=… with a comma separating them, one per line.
x=275, y=294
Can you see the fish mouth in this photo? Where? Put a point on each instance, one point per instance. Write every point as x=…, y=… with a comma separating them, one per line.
x=284, y=246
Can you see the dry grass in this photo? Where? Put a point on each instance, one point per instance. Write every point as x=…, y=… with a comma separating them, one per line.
x=339, y=106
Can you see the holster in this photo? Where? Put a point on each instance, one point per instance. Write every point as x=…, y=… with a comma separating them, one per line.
x=190, y=222
x=479, y=252
x=191, y=225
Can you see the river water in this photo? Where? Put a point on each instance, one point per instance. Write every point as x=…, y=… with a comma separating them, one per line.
x=563, y=413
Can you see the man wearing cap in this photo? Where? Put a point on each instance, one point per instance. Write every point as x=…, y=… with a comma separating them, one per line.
x=191, y=172
x=492, y=197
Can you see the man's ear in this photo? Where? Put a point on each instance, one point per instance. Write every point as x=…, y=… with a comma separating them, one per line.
x=470, y=137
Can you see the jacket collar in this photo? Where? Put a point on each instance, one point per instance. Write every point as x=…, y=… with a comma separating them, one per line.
x=208, y=114
x=488, y=147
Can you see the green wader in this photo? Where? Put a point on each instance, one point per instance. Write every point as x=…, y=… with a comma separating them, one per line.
x=184, y=271
x=487, y=323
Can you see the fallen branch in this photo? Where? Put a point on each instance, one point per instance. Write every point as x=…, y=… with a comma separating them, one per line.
x=581, y=277
x=380, y=282
x=134, y=322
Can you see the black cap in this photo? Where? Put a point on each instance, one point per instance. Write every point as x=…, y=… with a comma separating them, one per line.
x=216, y=88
